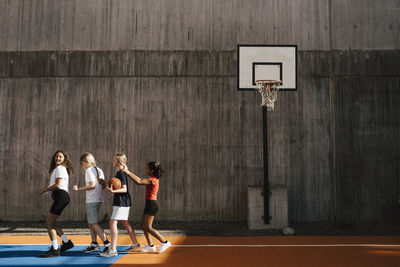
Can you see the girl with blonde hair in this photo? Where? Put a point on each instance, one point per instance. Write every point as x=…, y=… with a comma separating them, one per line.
x=94, y=179
x=121, y=207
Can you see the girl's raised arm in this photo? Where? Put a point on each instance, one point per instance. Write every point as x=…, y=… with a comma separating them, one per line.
x=136, y=179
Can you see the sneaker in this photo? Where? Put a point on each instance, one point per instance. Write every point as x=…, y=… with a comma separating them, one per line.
x=133, y=247
x=107, y=247
x=164, y=247
x=148, y=248
x=92, y=248
x=109, y=253
x=51, y=253
x=66, y=246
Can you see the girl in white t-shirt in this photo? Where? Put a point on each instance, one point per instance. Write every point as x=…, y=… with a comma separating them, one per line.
x=94, y=179
x=60, y=169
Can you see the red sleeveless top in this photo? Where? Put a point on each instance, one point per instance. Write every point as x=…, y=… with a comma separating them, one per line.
x=152, y=189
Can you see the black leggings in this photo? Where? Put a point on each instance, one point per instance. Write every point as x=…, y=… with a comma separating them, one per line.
x=61, y=201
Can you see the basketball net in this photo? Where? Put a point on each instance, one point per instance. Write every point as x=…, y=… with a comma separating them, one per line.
x=269, y=92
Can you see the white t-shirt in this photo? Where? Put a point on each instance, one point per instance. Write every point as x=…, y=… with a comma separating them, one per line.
x=60, y=172
x=95, y=194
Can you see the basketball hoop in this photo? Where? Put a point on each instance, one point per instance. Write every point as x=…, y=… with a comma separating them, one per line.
x=269, y=92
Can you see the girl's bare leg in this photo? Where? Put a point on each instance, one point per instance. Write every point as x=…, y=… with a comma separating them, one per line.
x=98, y=231
x=114, y=234
x=130, y=231
x=51, y=226
x=59, y=231
x=92, y=233
x=144, y=228
x=149, y=228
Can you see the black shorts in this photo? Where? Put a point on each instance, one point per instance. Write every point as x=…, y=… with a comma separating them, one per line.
x=61, y=201
x=151, y=207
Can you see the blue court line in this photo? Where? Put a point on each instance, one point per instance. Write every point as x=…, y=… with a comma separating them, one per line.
x=29, y=255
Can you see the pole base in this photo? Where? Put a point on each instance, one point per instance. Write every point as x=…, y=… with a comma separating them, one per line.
x=278, y=208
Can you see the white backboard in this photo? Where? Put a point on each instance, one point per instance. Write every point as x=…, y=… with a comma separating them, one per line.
x=267, y=62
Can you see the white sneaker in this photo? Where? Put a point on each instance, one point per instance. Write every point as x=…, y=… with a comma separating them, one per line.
x=164, y=247
x=109, y=253
x=148, y=248
x=133, y=247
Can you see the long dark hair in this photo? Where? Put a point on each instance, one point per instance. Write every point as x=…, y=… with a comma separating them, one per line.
x=156, y=169
x=66, y=163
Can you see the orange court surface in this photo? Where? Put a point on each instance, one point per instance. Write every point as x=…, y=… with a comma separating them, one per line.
x=224, y=251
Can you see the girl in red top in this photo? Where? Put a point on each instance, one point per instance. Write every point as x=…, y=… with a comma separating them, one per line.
x=154, y=171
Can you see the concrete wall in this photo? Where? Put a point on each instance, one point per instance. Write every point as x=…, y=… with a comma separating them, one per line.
x=157, y=80
x=205, y=162
x=197, y=25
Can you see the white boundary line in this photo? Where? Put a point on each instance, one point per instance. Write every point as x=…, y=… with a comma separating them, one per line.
x=293, y=245
x=247, y=245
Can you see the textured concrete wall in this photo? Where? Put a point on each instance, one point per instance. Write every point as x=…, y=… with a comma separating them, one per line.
x=206, y=156
x=157, y=80
x=197, y=24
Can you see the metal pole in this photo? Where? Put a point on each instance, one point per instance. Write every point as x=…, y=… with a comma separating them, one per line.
x=266, y=182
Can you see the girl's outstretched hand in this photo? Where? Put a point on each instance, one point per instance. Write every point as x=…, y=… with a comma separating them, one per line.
x=75, y=187
x=109, y=189
x=40, y=192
